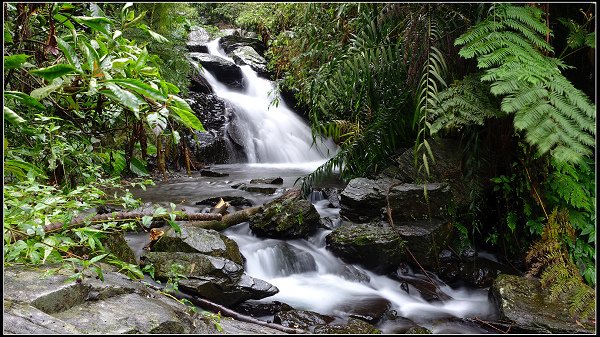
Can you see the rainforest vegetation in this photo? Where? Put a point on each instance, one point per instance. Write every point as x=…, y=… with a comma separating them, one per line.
x=94, y=102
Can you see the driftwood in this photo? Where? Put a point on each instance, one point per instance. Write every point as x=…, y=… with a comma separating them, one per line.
x=228, y=220
x=214, y=307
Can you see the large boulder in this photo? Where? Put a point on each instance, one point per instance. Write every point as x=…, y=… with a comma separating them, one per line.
x=287, y=217
x=36, y=302
x=246, y=55
x=199, y=240
x=198, y=40
x=527, y=305
x=223, y=70
x=198, y=83
x=377, y=248
x=290, y=260
x=232, y=42
x=354, y=326
x=214, y=278
x=214, y=145
x=364, y=200
x=425, y=239
x=301, y=319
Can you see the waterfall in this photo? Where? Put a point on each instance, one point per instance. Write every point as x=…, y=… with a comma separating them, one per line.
x=270, y=133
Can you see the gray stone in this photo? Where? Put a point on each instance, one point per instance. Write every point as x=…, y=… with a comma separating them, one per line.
x=287, y=217
x=272, y=180
x=246, y=55
x=199, y=240
x=373, y=247
x=232, y=42
x=522, y=301
x=425, y=239
x=364, y=199
x=197, y=40
x=223, y=70
x=353, y=327
x=370, y=309
x=214, y=278
x=258, y=189
x=301, y=319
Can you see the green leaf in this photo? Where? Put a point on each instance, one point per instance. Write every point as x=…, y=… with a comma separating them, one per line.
x=25, y=99
x=99, y=273
x=69, y=53
x=188, y=118
x=124, y=97
x=147, y=220
x=95, y=23
x=137, y=167
x=14, y=61
x=140, y=87
x=52, y=72
x=12, y=117
x=98, y=258
x=42, y=92
x=174, y=225
x=157, y=37
x=7, y=36
x=118, y=163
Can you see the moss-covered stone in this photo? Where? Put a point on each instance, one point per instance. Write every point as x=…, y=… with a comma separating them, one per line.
x=353, y=327
x=199, y=240
x=418, y=330
x=374, y=247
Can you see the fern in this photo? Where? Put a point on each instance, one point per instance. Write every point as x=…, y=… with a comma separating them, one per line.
x=556, y=117
x=549, y=259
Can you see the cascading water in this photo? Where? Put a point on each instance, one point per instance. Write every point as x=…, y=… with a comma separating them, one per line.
x=308, y=276
x=271, y=133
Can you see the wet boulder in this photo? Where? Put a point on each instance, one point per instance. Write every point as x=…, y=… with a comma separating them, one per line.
x=232, y=200
x=290, y=260
x=369, y=309
x=261, y=309
x=301, y=319
x=199, y=240
x=246, y=55
x=475, y=272
x=287, y=217
x=263, y=189
x=354, y=326
x=376, y=248
x=231, y=42
x=215, y=278
x=527, y=305
x=272, y=180
x=198, y=40
x=209, y=173
x=425, y=239
x=223, y=70
x=199, y=84
x=364, y=200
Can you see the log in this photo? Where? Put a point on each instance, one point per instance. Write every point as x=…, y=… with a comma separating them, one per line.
x=228, y=220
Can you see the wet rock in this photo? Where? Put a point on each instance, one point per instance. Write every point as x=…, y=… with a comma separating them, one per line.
x=115, y=243
x=209, y=173
x=376, y=248
x=522, y=301
x=199, y=84
x=351, y=273
x=333, y=195
x=231, y=43
x=199, y=240
x=261, y=309
x=365, y=199
x=37, y=304
x=246, y=55
x=428, y=288
x=287, y=217
x=353, y=327
x=258, y=189
x=301, y=319
x=273, y=180
x=223, y=70
x=369, y=309
x=232, y=200
x=418, y=330
x=211, y=146
x=425, y=239
x=197, y=40
x=215, y=278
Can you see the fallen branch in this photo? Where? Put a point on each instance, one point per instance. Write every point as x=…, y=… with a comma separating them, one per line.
x=214, y=307
x=228, y=220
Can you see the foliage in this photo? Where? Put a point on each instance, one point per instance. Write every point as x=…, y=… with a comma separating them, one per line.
x=549, y=259
x=554, y=115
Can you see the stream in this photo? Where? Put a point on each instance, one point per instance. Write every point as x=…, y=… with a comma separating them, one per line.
x=308, y=276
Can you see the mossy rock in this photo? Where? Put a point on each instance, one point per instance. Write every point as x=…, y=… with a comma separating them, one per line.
x=353, y=327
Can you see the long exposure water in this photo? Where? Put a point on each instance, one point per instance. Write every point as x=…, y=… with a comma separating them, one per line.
x=309, y=276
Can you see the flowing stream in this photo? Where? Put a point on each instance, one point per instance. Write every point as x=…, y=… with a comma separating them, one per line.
x=308, y=276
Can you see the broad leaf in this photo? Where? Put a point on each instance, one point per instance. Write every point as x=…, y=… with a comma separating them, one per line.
x=42, y=92
x=52, y=72
x=138, y=167
x=24, y=98
x=125, y=97
x=95, y=23
x=69, y=53
x=188, y=118
x=140, y=87
x=14, y=61
x=12, y=117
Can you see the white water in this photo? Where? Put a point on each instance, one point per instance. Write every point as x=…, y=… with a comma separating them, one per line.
x=326, y=288
x=272, y=134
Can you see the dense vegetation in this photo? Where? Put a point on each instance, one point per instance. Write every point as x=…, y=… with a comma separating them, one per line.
x=94, y=91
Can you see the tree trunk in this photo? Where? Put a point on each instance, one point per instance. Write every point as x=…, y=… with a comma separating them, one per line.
x=227, y=220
